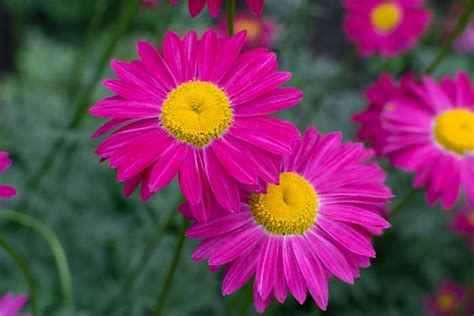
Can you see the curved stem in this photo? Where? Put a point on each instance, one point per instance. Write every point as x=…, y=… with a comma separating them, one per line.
x=157, y=310
x=21, y=264
x=54, y=244
x=145, y=256
x=230, y=6
x=460, y=26
x=403, y=202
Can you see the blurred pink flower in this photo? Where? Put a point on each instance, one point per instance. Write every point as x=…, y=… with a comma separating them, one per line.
x=261, y=31
x=6, y=191
x=315, y=224
x=385, y=27
x=430, y=131
x=464, y=44
x=463, y=222
x=214, y=6
x=195, y=110
x=150, y=4
x=10, y=305
x=450, y=300
x=379, y=96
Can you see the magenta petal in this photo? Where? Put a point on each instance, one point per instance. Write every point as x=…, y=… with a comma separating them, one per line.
x=260, y=303
x=256, y=6
x=236, y=244
x=280, y=289
x=354, y=214
x=173, y=53
x=222, y=184
x=347, y=236
x=207, y=55
x=104, y=129
x=190, y=179
x=228, y=52
x=292, y=272
x=167, y=166
x=311, y=270
x=190, y=46
x=240, y=271
x=219, y=226
x=152, y=59
x=266, y=267
x=118, y=107
x=214, y=7
x=7, y=191
x=330, y=255
x=196, y=6
x=205, y=249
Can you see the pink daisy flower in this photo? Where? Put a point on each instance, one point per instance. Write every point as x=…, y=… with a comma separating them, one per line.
x=261, y=31
x=430, y=131
x=6, y=191
x=463, y=223
x=10, y=305
x=214, y=6
x=449, y=298
x=315, y=224
x=379, y=96
x=386, y=27
x=196, y=110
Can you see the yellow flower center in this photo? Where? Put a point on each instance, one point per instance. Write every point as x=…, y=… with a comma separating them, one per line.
x=385, y=17
x=196, y=113
x=289, y=208
x=454, y=130
x=250, y=25
x=446, y=301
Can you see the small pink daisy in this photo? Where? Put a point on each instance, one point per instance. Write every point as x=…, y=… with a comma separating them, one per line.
x=10, y=305
x=379, y=96
x=463, y=223
x=450, y=297
x=198, y=109
x=386, y=27
x=315, y=224
x=261, y=31
x=6, y=191
x=214, y=6
x=430, y=131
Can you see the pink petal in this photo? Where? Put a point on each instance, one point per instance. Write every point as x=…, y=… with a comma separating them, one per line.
x=167, y=166
x=219, y=226
x=190, y=179
x=275, y=100
x=266, y=267
x=293, y=276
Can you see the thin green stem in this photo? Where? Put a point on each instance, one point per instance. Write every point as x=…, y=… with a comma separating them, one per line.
x=157, y=310
x=403, y=202
x=55, y=246
x=247, y=294
x=133, y=276
x=26, y=273
x=460, y=26
x=230, y=6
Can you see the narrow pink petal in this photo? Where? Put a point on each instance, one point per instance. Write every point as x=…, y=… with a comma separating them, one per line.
x=118, y=107
x=260, y=303
x=231, y=159
x=219, y=226
x=191, y=47
x=298, y=160
x=240, y=271
x=311, y=270
x=222, y=184
x=330, y=255
x=439, y=99
x=206, y=248
x=214, y=7
x=15, y=305
x=167, y=166
x=236, y=244
x=7, y=191
x=227, y=54
x=190, y=179
x=110, y=125
x=255, y=6
x=293, y=276
x=173, y=53
x=207, y=55
x=131, y=184
x=354, y=214
x=152, y=59
x=347, y=236
x=266, y=267
x=280, y=289
x=196, y=6
x=275, y=100
x=5, y=161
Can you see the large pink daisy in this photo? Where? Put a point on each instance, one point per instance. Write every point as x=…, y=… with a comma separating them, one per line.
x=379, y=96
x=430, y=131
x=11, y=306
x=6, y=191
x=198, y=109
x=214, y=6
x=315, y=224
x=386, y=27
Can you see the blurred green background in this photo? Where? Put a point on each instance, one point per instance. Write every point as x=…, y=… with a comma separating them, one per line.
x=53, y=50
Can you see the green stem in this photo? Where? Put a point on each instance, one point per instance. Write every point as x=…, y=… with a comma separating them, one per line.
x=131, y=279
x=247, y=294
x=403, y=202
x=230, y=5
x=26, y=273
x=157, y=310
x=461, y=25
x=54, y=244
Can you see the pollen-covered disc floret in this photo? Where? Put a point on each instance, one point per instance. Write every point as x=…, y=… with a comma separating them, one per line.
x=288, y=208
x=314, y=225
x=196, y=113
x=199, y=109
x=454, y=130
x=430, y=132
x=383, y=27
